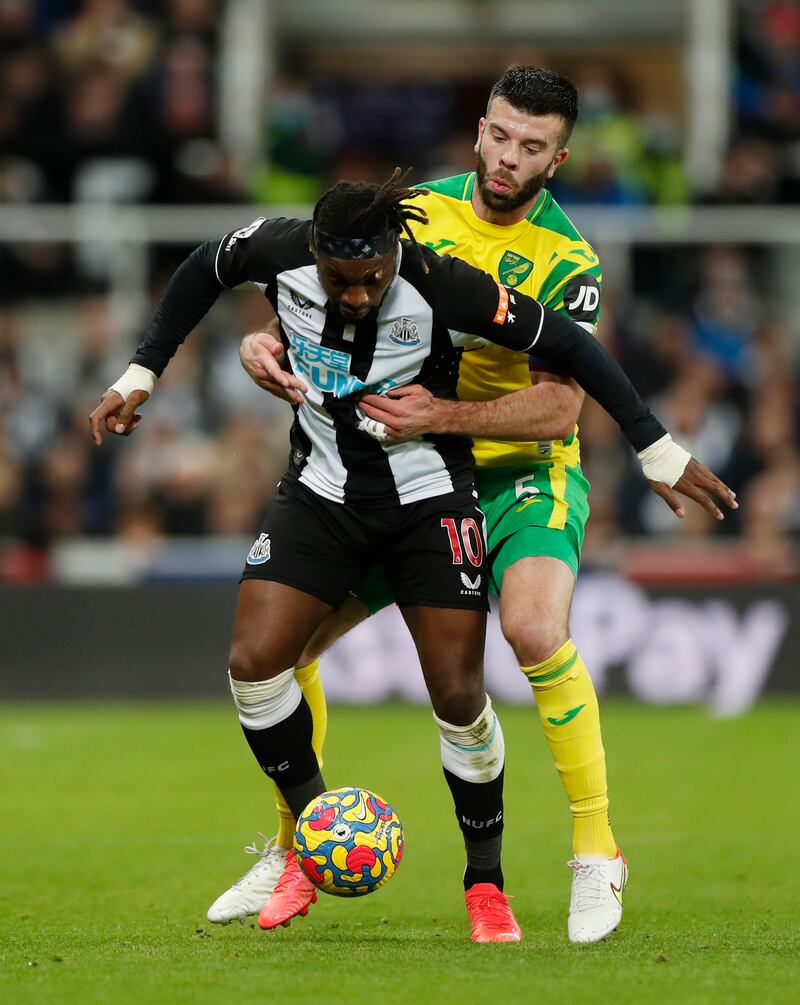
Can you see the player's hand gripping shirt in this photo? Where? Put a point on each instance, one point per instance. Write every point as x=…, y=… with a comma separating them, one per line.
x=542, y=256
x=414, y=336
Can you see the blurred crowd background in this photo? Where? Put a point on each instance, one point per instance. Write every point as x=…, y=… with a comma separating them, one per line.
x=134, y=103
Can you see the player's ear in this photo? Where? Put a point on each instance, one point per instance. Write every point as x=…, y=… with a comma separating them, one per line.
x=558, y=160
x=481, y=127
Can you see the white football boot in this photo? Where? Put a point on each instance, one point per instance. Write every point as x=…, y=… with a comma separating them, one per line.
x=249, y=894
x=595, y=907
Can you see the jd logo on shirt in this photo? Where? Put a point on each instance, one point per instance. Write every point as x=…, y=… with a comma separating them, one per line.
x=513, y=268
x=582, y=298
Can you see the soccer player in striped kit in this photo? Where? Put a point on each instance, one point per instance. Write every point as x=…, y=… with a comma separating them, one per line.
x=522, y=414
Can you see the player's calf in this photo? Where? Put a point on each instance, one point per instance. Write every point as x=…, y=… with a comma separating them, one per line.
x=473, y=759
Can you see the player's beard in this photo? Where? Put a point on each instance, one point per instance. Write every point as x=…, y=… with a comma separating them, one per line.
x=515, y=197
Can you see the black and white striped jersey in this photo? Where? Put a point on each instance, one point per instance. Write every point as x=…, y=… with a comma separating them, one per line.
x=416, y=335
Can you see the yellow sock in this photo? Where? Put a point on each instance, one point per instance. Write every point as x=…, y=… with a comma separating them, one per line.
x=310, y=682
x=570, y=717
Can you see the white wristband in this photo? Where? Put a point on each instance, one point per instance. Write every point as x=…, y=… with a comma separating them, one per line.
x=664, y=461
x=377, y=430
x=135, y=378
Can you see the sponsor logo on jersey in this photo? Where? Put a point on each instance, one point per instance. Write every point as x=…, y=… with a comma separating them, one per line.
x=300, y=306
x=329, y=369
x=502, y=305
x=244, y=232
x=582, y=298
x=545, y=448
x=404, y=332
x=513, y=269
x=260, y=552
x=473, y=586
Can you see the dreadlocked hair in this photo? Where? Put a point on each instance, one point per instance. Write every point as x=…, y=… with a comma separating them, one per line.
x=361, y=209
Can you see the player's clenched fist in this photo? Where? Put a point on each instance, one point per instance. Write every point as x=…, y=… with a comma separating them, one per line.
x=117, y=408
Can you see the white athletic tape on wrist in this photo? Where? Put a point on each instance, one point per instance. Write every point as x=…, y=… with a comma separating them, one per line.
x=474, y=753
x=664, y=461
x=376, y=429
x=135, y=378
x=265, y=703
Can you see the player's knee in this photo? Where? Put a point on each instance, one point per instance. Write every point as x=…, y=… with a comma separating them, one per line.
x=247, y=662
x=459, y=702
x=533, y=641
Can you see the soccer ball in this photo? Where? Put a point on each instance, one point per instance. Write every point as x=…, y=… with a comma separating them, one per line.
x=348, y=842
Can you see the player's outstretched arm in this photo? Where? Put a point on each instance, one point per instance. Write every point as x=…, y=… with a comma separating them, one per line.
x=190, y=294
x=546, y=411
x=260, y=354
x=471, y=301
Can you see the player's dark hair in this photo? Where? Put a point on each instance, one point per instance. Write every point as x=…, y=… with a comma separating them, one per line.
x=536, y=91
x=353, y=209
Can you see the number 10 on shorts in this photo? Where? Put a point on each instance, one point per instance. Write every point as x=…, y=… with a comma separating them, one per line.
x=469, y=535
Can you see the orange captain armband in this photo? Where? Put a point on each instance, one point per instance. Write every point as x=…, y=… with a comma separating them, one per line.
x=502, y=305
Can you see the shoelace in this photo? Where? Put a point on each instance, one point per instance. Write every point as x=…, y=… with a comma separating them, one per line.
x=494, y=907
x=591, y=889
x=253, y=849
x=269, y=844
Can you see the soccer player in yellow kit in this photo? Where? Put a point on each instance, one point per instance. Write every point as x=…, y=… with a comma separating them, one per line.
x=501, y=219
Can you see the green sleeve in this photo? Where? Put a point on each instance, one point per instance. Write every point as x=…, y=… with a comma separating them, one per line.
x=573, y=284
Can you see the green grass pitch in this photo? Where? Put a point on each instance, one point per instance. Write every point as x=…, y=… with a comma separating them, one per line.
x=120, y=823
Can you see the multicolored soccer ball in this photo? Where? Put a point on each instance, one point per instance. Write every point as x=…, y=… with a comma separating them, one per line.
x=349, y=842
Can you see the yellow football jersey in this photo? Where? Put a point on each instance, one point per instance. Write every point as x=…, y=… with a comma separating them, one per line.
x=545, y=257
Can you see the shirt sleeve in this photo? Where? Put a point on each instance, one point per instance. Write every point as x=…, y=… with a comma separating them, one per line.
x=468, y=300
x=247, y=254
x=257, y=252
x=573, y=288
x=191, y=293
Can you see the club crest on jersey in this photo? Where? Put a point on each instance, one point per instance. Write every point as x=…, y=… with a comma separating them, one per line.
x=404, y=332
x=513, y=268
x=260, y=552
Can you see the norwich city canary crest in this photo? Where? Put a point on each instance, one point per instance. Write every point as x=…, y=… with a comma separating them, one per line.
x=514, y=269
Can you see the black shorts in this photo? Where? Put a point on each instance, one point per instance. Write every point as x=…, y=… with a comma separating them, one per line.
x=433, y=551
